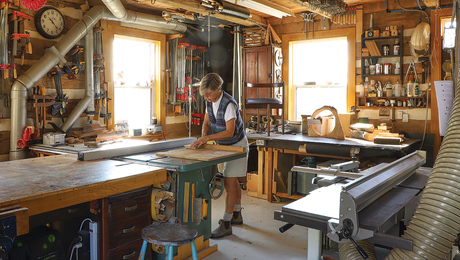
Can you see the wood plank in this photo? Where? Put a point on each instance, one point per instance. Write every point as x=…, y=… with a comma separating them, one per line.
x=220, y=147
x=202, y=154
x=261, y=169
x=186, y=201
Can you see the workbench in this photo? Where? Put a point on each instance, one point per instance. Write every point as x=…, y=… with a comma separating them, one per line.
x=49, y=183
x=277, y=154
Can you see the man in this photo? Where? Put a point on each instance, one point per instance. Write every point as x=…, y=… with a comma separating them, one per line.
x=227, y=128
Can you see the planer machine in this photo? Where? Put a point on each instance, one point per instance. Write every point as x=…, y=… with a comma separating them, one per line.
x=362, y=205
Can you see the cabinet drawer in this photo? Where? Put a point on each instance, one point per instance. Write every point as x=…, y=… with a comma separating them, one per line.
x=129, y=251
x=127, y=231
x=125, y=209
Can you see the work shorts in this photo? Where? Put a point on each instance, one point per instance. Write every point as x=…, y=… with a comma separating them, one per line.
x=238, y=167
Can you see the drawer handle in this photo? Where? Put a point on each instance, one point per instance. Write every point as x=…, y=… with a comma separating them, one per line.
x=131, y=208
x=133, y=254
x=127, y=230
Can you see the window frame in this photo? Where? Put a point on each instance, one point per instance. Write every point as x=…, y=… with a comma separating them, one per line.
x=114, y=28
x=289, y=39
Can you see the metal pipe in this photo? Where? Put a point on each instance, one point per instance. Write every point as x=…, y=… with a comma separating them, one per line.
x=76, y=112
x=237, y=62
x=89, y=71
x=54, y=56
x=116, y=8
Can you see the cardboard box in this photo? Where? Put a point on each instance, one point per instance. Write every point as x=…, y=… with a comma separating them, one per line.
x=394, y=33
x=252, y=183
x=393, y=28
x=386, y=33
x=376, y=33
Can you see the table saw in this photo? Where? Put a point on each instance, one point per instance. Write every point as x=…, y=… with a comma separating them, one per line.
x=146, y=163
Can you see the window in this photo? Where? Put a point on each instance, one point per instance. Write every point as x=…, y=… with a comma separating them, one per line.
x=319, y=75
x=134, y=66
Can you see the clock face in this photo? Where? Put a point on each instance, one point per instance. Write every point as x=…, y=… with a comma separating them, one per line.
x=49, y=22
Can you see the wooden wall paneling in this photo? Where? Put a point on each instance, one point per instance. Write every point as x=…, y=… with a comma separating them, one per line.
x=4, y=142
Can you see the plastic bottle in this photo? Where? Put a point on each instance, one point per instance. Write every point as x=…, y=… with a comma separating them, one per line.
x=416, y=90
x=389, y=88
x=366, y=87
x=397, y=91
x=410, y=88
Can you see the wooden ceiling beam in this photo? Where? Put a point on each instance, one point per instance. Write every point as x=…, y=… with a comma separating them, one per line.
x=195, y=6
x=310, y=8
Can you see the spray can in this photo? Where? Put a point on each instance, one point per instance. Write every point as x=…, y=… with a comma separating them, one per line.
x=416, y=90
x=409, y=88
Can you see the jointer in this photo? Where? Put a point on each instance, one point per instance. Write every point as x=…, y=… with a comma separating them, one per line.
x=143, y=157
x=361, y=205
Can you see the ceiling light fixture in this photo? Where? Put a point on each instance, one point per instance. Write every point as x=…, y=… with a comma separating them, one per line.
x=264, y=6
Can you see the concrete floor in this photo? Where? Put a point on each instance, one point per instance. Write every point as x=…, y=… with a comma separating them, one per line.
x=258, y=237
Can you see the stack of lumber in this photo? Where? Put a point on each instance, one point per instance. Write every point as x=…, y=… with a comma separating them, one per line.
x=378, y=136
x=95, y=134
x=373, y=48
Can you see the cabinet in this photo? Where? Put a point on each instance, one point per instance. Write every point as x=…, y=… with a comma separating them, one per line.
x=123, y=218
x=261, y=65
x=376, y=51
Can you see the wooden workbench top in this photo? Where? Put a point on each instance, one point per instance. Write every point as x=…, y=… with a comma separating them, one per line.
x=47, y=183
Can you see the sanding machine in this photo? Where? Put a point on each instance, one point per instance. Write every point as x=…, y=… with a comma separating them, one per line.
x=365, y=205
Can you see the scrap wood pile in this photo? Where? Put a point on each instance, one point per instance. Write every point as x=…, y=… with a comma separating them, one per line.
x=94, y=135
x=381, y=135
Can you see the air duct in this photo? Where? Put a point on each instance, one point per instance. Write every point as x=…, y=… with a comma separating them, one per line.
x=55, y=55
x=89, y=71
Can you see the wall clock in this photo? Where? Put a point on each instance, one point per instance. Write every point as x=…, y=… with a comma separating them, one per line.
x=49, y=22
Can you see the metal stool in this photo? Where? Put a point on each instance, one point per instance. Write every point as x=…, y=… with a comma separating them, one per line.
x=169, y=235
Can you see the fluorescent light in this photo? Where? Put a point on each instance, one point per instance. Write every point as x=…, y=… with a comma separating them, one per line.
x=264, y=6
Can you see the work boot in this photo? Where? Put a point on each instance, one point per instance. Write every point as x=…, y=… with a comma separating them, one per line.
x=224, y=229
x=237, y=218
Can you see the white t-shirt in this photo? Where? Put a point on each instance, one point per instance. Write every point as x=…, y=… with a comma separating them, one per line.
x=229, y=113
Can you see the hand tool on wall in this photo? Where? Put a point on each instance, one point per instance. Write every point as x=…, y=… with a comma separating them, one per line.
x=28, y=44
x=4, y=37
x=16, y=17
x=60, y=100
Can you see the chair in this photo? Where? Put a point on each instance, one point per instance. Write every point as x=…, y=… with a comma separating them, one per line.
x=268, y=103
x=169, y=235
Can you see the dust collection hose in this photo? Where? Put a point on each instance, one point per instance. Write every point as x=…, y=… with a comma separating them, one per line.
x=436, y=222
x=348, y=250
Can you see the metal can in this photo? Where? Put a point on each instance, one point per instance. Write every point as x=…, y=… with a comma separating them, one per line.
x=372, y=69
x=396, y=47
x=386, y=49
x=387, y=68
x=378, y=68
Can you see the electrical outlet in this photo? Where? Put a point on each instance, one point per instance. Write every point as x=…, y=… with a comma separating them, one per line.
x=401, y=113
x=405, y=117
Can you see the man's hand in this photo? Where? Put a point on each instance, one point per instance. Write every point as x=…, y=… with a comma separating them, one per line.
x=198, y=143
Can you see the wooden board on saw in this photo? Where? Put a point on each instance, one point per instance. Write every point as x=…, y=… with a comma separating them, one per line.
x=204, y=153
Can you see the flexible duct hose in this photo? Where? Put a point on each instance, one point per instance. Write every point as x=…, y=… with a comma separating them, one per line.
x=348, y=250
x=436, y=221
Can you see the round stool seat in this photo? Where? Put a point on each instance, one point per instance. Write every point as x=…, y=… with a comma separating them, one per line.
x=169, y=234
